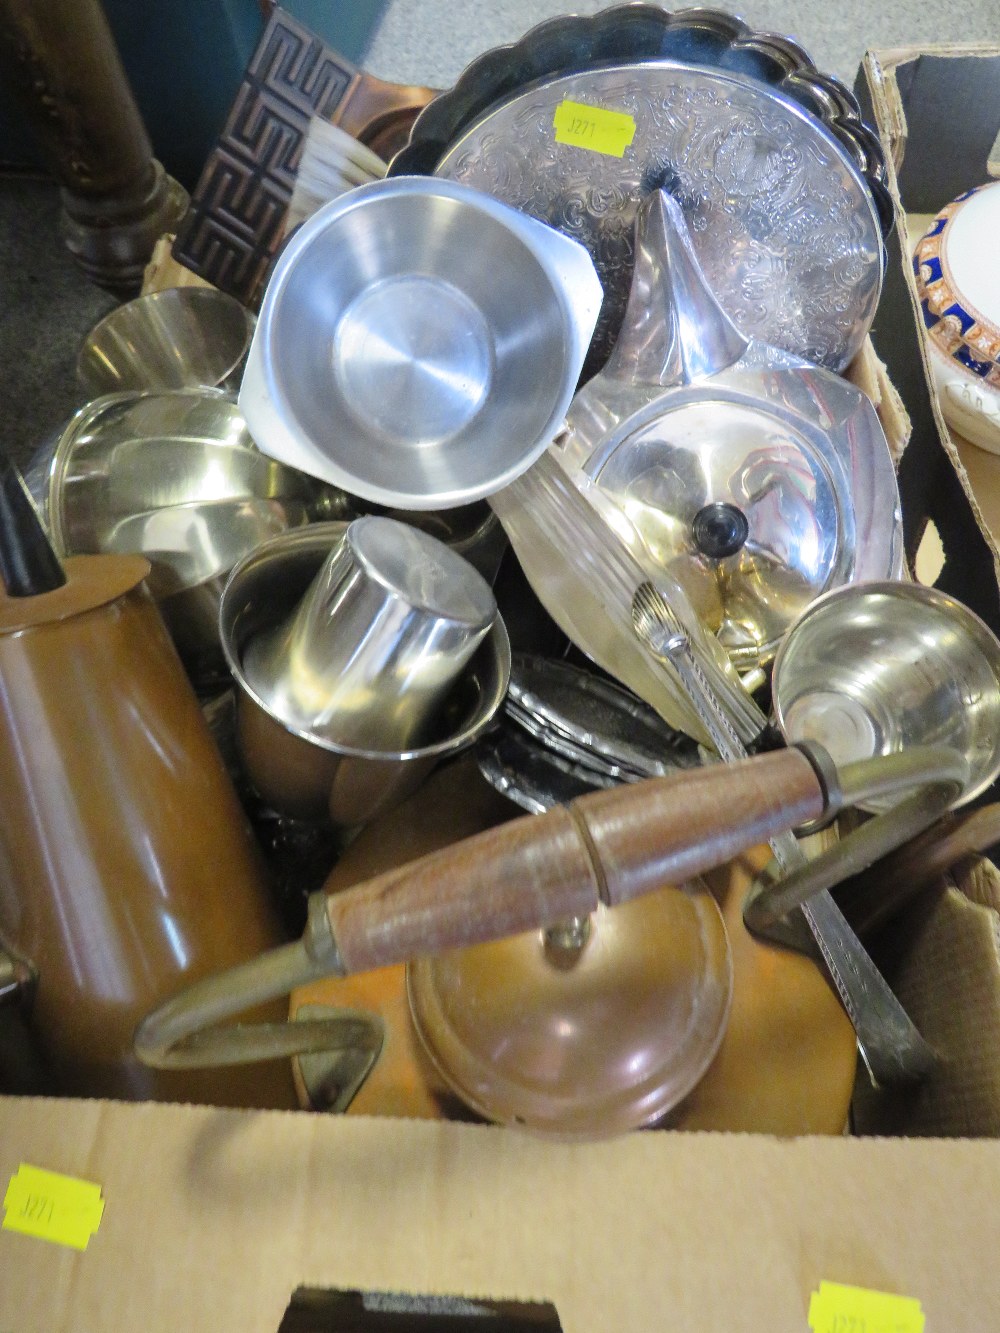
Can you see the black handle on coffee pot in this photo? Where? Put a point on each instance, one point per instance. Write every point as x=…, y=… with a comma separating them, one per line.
x=28, y=564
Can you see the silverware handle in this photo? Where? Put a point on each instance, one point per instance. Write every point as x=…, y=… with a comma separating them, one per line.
x=890, y=1045
x=717, y=722
x=743, y=715
x=715, y=719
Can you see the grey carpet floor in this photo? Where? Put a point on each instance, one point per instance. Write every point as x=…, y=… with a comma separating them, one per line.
x=431, y=41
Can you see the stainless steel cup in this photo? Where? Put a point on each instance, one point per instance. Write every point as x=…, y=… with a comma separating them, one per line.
x=382, y=633
x=300, y=772
x=180, y=338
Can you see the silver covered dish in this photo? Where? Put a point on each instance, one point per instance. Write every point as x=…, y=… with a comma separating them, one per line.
x=756, y=480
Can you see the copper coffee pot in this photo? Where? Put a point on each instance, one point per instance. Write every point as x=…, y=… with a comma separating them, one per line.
x=127, y=867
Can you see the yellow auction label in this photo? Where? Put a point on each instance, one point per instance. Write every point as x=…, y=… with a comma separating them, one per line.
x=839, y=1309
x=592, y=127
x=52, y=1207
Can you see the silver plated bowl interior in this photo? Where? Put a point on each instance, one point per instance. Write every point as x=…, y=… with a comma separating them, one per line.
x=390, y=360
x=180, y=338
x=878, y=668
x=174, y=476
x=192, y=544
x=127, y=455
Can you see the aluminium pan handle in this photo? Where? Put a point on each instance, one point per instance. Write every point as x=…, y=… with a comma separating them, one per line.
x=607, y=847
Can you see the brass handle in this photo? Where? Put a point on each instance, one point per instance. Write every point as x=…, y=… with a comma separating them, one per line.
x=926, y=780
x=875, y=895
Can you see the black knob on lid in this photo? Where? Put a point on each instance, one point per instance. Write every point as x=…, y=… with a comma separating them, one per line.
x=720, y=530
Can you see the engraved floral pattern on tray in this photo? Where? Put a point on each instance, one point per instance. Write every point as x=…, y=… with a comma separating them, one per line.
x=782, y=223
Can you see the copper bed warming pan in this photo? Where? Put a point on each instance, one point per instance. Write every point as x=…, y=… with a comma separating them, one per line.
x=786, y=1064
x=605, y=851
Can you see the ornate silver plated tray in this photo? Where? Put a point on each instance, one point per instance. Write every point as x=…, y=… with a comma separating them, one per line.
x=707, y=37
x=783, y=221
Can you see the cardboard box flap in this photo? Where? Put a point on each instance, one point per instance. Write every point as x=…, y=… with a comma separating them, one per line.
x=214, y=1218
x=933, y=485
x=950, y=97
x=942, y=958
x=868, y=373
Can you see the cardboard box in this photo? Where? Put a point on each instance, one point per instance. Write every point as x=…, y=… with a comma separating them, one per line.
x=938, y=115
x=214, y=1219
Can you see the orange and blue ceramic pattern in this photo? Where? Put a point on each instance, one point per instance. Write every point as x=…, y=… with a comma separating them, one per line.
x=954, y=325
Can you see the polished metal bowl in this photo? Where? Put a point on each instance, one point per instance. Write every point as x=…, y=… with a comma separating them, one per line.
x=174, y=476
x=418, y=344
x=879, y=668
x=181, y=338
x=304, y=774
x=133, y=453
